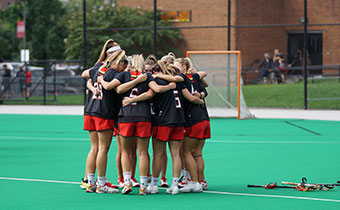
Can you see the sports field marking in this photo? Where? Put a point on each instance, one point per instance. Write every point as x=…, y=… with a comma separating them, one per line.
x=207, y=141
x=39, y=180
x=274, y=196
x=303, y=128
x=212, y=192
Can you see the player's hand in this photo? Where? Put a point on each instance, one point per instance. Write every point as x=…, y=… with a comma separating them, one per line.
x=197, y=94
x=126, y=101
x=155, y=75
x=172, y=85
x=100, y=79
x=95, y=92
x=142, y=77
x=192, y=71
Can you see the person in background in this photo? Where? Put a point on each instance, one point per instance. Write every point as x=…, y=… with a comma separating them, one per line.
x=266, y=67
x=6, y=80
x=28, y=81
x=21, y=75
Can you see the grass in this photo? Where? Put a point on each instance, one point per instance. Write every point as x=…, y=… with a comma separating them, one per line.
x=262, y=95
x=61, y=100
x=291, y=95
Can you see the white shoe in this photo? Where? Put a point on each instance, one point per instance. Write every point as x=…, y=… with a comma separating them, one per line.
x=184, y=182
x=143, y=191
x=204, y=185
x=106, y=188
x=121, y=182
x=164, y=183
x=152, y=189
x=134, y=182
x=127, y=188
x=91, y=188
x=172, y=190
x=192, y=187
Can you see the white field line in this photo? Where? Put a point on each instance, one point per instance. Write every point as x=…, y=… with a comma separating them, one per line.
x=207, y=141
x=38, y=180
x=212, y=192
x=273, y=196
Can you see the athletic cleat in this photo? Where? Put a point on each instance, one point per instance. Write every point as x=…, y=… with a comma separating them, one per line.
x=184, y=182
x=143, y=191
x=107, y=188
x=83, y=184
x=181, y=179
x=192, y=187
x=91, y=188
x=121, y=182
x=204, y=185
x=152, y=189
x=127, y=188
x=172, y=190
x=134, y=182
x=164, y=183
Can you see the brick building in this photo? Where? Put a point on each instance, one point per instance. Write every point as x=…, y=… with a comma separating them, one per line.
x=5, y=3
x=253, y=42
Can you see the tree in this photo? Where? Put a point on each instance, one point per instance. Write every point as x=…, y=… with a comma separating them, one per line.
x=45, y=29
x=9, y=44
x=110, y=16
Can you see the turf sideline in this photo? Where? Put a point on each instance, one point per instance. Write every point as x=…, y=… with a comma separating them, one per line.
x=208, y=141
x=333, y=115
x=211, y=192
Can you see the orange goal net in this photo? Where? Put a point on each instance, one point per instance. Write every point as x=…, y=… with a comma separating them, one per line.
x=225, y=97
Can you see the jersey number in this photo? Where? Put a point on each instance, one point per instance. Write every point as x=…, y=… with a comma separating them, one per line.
x=99, y=87
x=133, y=94
x=177, y=100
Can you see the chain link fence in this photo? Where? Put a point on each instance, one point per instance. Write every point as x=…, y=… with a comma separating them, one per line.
x=44, y=81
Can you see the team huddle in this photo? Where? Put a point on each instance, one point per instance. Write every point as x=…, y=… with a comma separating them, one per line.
x=134, y=99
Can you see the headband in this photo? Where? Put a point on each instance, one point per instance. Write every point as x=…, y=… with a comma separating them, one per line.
x=113, y=49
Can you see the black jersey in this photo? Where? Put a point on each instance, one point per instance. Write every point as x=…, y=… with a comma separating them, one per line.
x=90, y=94
x=194, y=113
x=106, y=104
x=138, y=111
x=168, y=106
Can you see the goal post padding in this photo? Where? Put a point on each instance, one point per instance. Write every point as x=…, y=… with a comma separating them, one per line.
x=225, y=97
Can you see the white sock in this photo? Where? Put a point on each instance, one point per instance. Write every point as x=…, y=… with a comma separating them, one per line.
x=175, y=181
x=187, y=174
x=101, y=180
x=143, y=181
x=154, y=181
x=127, y=177
x=183, y=172
x=90, y=178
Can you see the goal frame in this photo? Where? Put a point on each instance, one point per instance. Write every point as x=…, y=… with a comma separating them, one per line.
x=238, y=77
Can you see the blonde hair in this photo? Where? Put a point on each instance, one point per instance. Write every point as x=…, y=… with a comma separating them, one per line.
x=169, y=58
x=108, y=44
x=173, y=70
x=137, y=62
x=161, y=67
x=115, y=59
x=185, y=61
x=150, y=60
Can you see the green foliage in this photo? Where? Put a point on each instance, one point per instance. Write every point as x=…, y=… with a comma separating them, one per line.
x=45, y=30
x=9, y=44
x=109, y=16
x=55, y=31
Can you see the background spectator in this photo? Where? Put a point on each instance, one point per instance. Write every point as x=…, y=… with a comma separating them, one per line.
x=266, y=67
x=28, y=81
x=6, y=81
x=21, y=75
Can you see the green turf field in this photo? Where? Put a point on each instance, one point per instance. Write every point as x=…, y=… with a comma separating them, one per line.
x=257, y=151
